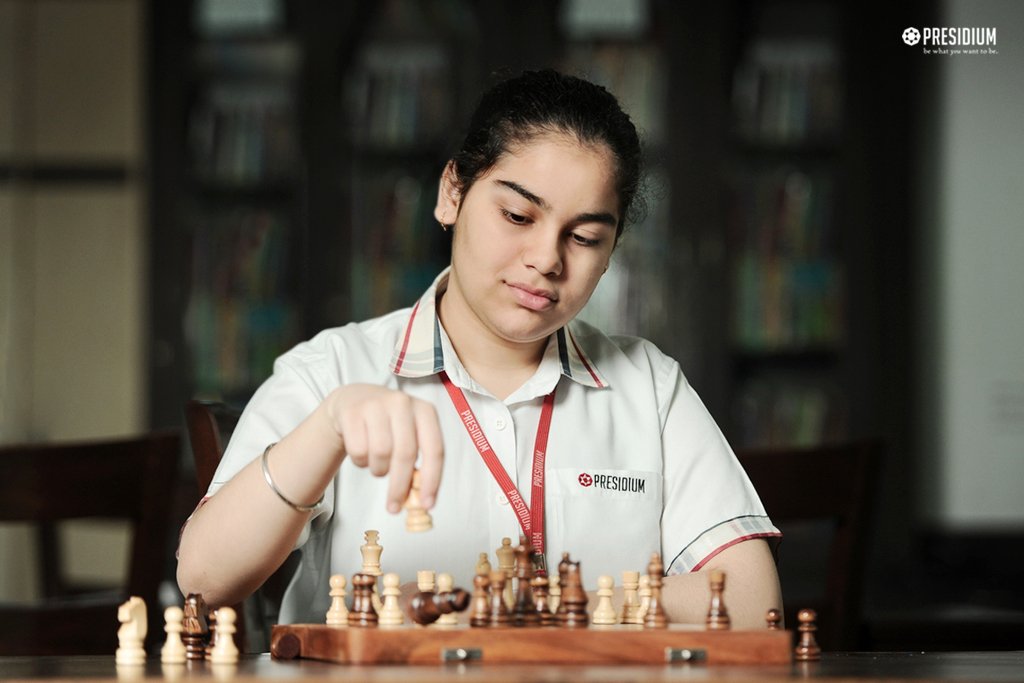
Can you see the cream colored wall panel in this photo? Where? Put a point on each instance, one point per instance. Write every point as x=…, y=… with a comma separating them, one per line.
x=19, y=581
x=87, y=365
x=85, y=80
x=15, y=316
x=96, y=552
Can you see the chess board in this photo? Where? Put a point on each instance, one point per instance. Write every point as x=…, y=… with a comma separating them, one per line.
x=592, y=645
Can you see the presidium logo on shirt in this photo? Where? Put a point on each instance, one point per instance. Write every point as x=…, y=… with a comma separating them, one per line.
x=611, y=482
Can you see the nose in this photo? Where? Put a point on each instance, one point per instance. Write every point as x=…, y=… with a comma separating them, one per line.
x=543, y=253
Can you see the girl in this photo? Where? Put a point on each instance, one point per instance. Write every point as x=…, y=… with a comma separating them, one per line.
x=600, y=445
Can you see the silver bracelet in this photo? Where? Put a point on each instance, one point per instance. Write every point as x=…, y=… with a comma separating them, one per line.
x=273, y=486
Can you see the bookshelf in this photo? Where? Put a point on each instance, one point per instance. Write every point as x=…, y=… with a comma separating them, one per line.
x=787, y=284
x=405, y=98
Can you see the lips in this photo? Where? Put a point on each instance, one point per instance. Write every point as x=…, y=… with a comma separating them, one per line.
x=532, y=298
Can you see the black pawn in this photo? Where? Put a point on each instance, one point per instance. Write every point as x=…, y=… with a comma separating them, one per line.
x=574, y=598
x=362, y=613
x=524, y=612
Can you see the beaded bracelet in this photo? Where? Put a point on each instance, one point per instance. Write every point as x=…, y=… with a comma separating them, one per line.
x=273, y=486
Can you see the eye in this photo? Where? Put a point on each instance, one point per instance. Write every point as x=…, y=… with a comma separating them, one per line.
x=584, y=241
x=514, y=217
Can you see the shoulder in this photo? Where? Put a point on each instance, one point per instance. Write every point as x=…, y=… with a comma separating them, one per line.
x=353, y=352
x=622, y=354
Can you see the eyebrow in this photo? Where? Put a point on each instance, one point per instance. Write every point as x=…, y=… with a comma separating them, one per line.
x=589, y=217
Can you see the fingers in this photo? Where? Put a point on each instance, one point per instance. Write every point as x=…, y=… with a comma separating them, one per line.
x=385, y=431
x=431, y=446
x=403, y=457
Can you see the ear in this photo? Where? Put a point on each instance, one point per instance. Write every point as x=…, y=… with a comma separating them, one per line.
x=448, y=196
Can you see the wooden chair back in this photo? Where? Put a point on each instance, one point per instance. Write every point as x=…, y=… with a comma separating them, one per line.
x=823, y=496
x=130, y=479
x=210, y=424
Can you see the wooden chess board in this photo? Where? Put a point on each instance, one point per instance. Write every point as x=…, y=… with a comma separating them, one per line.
x=592, y=645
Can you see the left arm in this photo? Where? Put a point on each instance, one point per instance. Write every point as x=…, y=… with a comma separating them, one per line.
x=751, y=587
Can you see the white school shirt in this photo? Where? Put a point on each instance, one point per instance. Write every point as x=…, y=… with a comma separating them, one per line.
x=635, y=464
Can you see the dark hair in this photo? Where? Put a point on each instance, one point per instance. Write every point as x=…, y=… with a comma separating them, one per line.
x=538, y=102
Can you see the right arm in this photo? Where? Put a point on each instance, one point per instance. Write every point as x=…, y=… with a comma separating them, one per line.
x=243, y=533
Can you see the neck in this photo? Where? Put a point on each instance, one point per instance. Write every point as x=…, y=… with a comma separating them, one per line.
x=497, y=364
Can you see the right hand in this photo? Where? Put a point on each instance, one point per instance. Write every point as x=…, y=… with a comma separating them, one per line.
x=385, y=429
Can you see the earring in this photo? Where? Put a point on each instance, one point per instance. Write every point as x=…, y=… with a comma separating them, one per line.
x=444, y=226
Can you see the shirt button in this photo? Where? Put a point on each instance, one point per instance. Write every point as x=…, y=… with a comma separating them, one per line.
x=502, y=500
x=499, y=423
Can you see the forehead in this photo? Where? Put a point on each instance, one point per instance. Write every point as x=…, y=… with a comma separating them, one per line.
x=554, y=162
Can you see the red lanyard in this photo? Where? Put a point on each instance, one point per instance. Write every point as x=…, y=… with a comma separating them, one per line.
x=532, y=520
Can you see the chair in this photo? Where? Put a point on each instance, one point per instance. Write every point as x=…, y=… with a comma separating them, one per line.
x=210, y=424
x=821, y=498
x=130, y=479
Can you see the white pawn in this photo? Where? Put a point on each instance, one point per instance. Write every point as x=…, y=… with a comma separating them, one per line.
x=425, y=580
x=132, y=633
x=630, y=598
x=554, y=592
x=173, y=651
x=224, y=650
x=390, y=612
x=337, y=615
x=604, y=613
x=445, y=584
x=644, y=592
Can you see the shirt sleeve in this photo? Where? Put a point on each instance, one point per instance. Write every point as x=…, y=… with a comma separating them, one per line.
x=709, y=501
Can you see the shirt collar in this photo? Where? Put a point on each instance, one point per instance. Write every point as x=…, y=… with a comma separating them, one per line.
x=419, y=353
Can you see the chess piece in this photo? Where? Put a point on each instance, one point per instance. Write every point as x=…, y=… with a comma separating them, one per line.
x=224, y=650
x=718, y=615
x=371, y=551
x=507, y=563
x=173, y=650
x=774, y=619
x=604, y=614
x=524, y=612
x=483, y=565
x=426, y=607
x=807, y=649
x=563, y=573
x=630, y=598
x=363, y=614
x=574, y=598
x=499, y=609
x=391, y=612
x=337, y=615
x=211, y=626
x=445, y=584
x=132, y=632
x=539, y=584
x=416, y=516
x=655, y=616
x=481, y=612
x=425, y=580
x=644, y=593
x=554, y=594
x=195, y=630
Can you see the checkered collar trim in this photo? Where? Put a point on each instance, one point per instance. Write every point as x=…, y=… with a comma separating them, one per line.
x=418, y=352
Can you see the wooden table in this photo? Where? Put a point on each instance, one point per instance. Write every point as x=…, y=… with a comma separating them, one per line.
x=948, y=666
